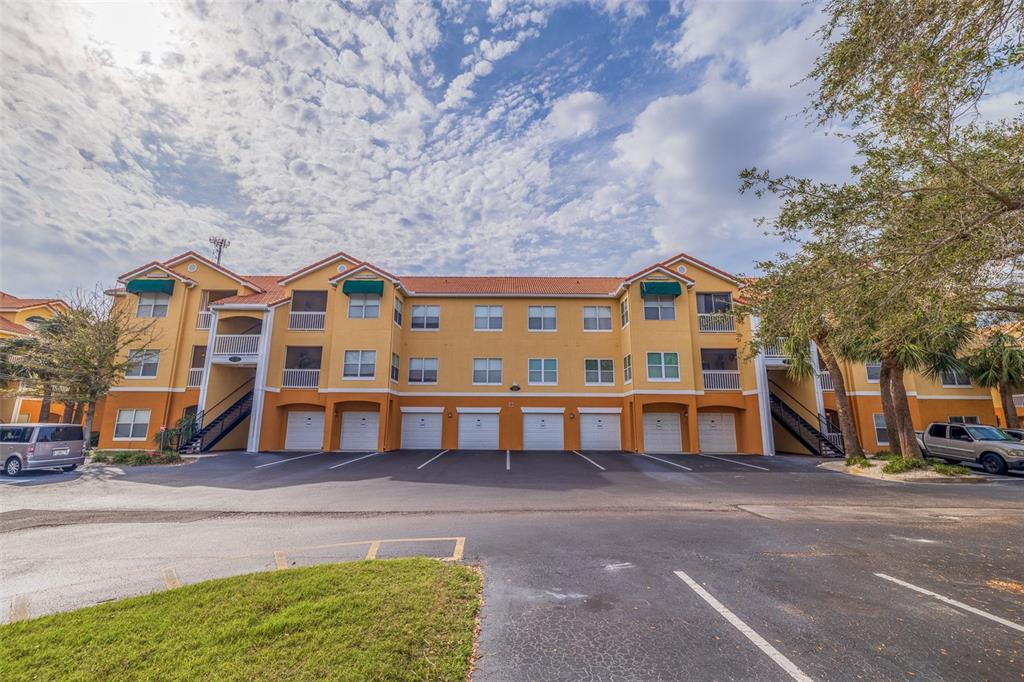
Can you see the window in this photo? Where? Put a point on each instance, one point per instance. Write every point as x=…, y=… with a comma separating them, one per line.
x=144, y=364
x=959, y=433
x=543, y=371
x=964, y=420
x=718, y=359
x=15, y=434
x=627, y=369
x=59, y=434
x=422, y=370
x=955, y=378
x=624, y=310
x=360, y=364
x=937, y=431
x=398, y=311
x=598, y=372
x=152, y=305
x=597, y=318
x=394, y=366
x=486, y=370
x=131, y=425
x=542, y=318
x=663, y=366
x=874, y=370
x=660, y=308
x=714, y=303
x=881, y=433
x=488, y=318
x=426, y=317
x=307, y=301
x=363, y=306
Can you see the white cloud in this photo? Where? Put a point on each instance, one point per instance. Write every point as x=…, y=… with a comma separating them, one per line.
x=576, y=114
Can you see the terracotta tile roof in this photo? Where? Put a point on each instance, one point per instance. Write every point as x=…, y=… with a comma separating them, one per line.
x=10, y=301
x=8, y=327
x=272, y=292
x=557, y=286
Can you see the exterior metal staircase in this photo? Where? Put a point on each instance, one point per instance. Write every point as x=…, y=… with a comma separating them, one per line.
x=812, y=437
x=199, y=437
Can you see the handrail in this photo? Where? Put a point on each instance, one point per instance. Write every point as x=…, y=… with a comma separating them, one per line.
x=233, y=391
x=795, y=400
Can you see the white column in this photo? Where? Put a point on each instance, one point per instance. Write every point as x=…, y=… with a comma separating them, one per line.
x=260, y=382
x=211, y=336
x=819, y=401
x=763, y=404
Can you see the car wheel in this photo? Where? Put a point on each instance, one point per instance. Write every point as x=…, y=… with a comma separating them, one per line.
x=993, y=463
x=12, y=467
x=70, y=467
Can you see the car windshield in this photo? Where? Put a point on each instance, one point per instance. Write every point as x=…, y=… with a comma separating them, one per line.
x=987, y=433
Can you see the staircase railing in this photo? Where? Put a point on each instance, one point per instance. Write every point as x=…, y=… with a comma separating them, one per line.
x=189, y=430
x=819, y=440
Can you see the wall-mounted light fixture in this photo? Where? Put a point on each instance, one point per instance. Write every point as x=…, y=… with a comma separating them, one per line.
x=514, y=387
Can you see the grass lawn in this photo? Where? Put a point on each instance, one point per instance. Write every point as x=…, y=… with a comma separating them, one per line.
x=395, y=619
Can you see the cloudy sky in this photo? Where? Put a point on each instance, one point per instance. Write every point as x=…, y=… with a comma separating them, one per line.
x=453, y=137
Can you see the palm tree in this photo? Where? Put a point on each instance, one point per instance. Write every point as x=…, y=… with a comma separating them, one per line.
x=999, y=364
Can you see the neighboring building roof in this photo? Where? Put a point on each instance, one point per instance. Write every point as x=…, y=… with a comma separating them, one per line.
x=8, y=327
x=12, y=302
x=273, y=293
x=557, y=286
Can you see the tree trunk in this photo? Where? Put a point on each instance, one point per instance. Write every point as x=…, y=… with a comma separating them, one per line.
x=77, y=419
x=851, y=442
x=892, y=424
x=90, y=414
x=1006, y=397
x=908, y=441
x=44, y=405
x=69, y=412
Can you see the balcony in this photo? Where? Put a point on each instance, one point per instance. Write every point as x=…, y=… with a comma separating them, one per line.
x=825, y=381
x=716, y=322
x=195, y=377
x=236, y=349
x=307, y=321
x=721, y=380
x=301, y=378
x=1018, y=400
x=204, y=319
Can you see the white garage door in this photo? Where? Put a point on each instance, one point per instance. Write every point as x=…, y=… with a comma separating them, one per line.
x=359, y=430
x=543, y=432
x=305, y=431
x=661, y=432
x=717, y=431
x=600, y=432
x=478, y=431
x=421, y=431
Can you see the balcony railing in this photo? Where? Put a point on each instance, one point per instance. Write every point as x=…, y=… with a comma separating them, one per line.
x=825, y=381
x=1018, y=400
x=236, y=344
x=203, y=321
x=307, y=321
x=721, y=380
x=195, y=377
x=301, y=378
x=716, y=322
x=773, y=351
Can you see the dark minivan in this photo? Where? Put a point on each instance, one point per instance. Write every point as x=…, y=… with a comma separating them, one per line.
x=41, y=446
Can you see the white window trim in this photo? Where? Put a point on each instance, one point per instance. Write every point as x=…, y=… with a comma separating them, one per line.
x=394, y=365
x=348, y=312
x=360, y=363
x=611, y=321
x=488, y=318
x=144, y=377
x=626, y=381
x=598, y=383
x=129, y=438
x=663, y=380
x=541, y=331
x=488, y=371
x=437, y=369
x=874, y=424
x=412, y=316
x=629, y=313
x=399, y=307
x=541, y=383
x=868, y=376
x=960, y=386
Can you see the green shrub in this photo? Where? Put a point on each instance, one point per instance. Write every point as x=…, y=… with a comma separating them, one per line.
x=899, y=465
x=859, y=462
x=950, y=469
x=134, y=458
x=887, y=456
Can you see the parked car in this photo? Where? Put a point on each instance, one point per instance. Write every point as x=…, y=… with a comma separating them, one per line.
x=990, y=447
x=1016, y=434
x=41, y=446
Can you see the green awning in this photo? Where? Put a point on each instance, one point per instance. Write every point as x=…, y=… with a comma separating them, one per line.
x=151, y=286
x=363, y=286
x=660, y=289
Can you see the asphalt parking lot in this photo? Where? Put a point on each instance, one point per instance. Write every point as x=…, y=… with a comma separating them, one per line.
x=597, y=565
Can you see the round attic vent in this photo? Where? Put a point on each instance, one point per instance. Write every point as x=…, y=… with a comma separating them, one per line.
x=681, y=269
x=341, y=267
x=192, y=267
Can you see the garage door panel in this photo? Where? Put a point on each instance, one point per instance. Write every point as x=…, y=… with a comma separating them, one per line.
x=543, y=432
x=600, y=432
x=359, y=430
x=478, y=431
x=304, y=431
x=717, y=431
x=662, y=432
x=421, y=431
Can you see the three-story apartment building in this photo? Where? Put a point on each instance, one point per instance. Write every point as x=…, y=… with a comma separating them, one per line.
x=19, y=318
x=343, y=355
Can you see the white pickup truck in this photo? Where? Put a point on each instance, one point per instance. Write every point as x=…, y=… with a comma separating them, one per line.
x=990, y=447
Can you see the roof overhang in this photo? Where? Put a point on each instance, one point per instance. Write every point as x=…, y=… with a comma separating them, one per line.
x=156, y=266
x=366, y=267
x=696, y=262
x=340, y=255
x=215, y=266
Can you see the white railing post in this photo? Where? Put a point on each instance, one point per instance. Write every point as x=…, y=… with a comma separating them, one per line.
x=716, y=322
x=825, y=381
x=237, y=344
x=301, y=378
x=195, y=377
x=1018, y=400
x=307, y=320
x=203, y=321
x=721, y=379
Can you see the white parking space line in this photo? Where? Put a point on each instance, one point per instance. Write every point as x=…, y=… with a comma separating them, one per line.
x=432, y=459
x=589, y=460
x=508, y=460
x=644, y=454
x=290, y=459
x=742, y=464
x=372, y=454
x=759, y=641
x=953, y=602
